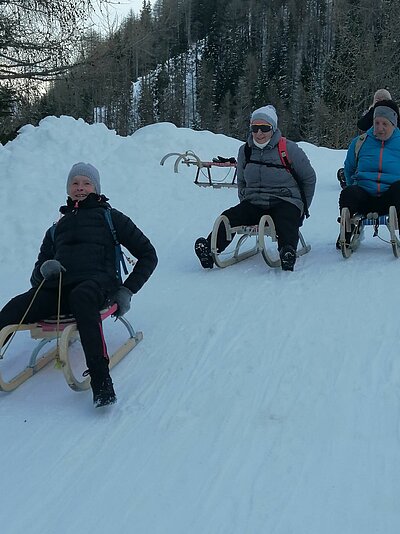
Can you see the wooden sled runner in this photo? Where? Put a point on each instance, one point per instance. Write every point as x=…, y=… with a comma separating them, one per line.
x=46, y=332
x=204, y=177
x=264, y=229
x=354, y=228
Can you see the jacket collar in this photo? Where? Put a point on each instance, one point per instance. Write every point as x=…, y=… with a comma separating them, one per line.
x=93, y=200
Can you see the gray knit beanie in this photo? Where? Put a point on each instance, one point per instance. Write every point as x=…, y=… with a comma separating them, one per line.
x=386, y=113
x=85, y=169
x=266, y=114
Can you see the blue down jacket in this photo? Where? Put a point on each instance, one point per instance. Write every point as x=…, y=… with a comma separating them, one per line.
x=264, y=186
x=378, y=163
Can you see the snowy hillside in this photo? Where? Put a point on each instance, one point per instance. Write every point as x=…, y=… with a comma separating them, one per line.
x=258, y=402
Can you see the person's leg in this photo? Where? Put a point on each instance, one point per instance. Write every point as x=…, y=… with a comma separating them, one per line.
x=391, y=197
x=244, y=213
x=341, y=177
x=85, y=301
x=357, y=200
x=287, y=220
x=41, y=306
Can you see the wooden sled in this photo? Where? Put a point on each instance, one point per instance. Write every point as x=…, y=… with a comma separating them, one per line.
x=355, y=227
x=204, y=169
x=46, y=332
x=264, y=229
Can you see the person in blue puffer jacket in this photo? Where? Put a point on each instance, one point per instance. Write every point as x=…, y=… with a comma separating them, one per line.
x=373, y=175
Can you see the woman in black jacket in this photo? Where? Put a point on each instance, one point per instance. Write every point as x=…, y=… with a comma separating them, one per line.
x=365, y=122
x=81, y=248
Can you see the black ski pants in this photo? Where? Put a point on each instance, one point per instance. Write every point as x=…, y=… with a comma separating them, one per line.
x=286, y=217
x=83, y=300
x=359, y=201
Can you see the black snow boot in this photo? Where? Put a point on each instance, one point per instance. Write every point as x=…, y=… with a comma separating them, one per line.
x=203, y=252
x=288, y=257
x=103, y=392
x=347, y=239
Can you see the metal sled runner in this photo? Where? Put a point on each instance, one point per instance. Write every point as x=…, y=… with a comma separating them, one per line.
x=204, y=169
x=352, y=229
x=66, y=334
x=265, y=228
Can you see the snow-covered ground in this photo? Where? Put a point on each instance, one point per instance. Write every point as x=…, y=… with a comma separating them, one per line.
x=259, y=401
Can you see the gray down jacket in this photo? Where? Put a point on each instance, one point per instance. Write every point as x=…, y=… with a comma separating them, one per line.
x=263, y=186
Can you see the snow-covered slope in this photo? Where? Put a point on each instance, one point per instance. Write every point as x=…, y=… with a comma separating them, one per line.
x=259, y=402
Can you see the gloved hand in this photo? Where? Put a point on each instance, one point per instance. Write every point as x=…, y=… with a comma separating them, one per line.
x=123, y=299
x=51, y=269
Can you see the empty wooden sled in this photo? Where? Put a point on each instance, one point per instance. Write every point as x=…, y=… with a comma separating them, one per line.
x=264, y=229
x=204, y=176
x=63, y=334
x=352, y=230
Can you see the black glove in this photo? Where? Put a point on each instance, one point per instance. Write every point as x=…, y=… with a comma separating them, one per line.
x=123, y=299
x=51, y=269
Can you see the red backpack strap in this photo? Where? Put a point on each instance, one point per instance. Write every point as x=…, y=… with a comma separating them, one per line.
x=288, y=166
x=283, y=153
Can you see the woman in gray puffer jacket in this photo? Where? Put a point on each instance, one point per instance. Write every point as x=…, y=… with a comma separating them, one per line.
x=266, y=187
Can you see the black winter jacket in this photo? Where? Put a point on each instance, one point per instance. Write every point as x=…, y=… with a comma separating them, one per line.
x=82, y=242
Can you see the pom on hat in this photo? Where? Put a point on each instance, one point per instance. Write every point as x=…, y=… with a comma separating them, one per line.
x=265, y=114
x=85, y=169
x=387, y=113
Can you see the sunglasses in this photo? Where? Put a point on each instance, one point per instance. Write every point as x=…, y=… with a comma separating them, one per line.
x=263, y=127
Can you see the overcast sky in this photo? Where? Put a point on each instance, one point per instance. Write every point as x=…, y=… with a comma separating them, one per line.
x=122, y=7
x=117, y=11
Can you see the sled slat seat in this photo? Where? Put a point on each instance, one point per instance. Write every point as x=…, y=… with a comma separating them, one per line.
x=214, y=164
x=246, y=230
x=50, y=324
x=372, y=221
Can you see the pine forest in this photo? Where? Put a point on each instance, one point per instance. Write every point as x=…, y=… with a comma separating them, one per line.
x=202, y=64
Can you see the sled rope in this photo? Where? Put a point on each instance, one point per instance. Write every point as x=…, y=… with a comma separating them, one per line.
x=58, y=363
x=5, y=347
x=217, y=181
x=376, y=233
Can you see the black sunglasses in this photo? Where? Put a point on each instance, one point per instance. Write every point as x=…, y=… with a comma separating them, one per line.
x=263, y=127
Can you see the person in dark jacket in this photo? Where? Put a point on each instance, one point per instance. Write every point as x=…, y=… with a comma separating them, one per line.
x=265, y=187
x=81, y=249
x=365, y=122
